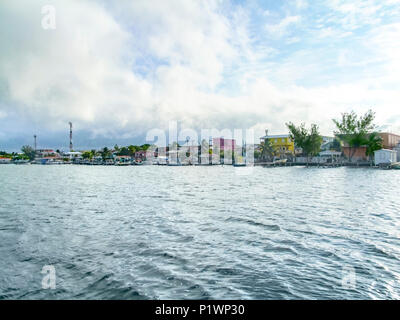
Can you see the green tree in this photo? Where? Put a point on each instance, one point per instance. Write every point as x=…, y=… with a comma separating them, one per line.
x=353, y=130
x=105, y=153
x=124, y=151
x=132, y=150
x=94, y=153
x=374, y=143
x=87, y=155
x=6, y=155
x=145, y=147
x=29, y=152
x=309, y=140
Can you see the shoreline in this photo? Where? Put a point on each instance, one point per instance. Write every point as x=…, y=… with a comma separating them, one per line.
x=261, y=164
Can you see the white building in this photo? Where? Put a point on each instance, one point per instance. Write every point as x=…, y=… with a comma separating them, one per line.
x=397, y=149
x=72, y=155
x=5, y=160
x=385, y=156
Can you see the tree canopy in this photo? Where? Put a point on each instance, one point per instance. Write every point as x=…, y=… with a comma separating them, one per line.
x=29, y=152
x=352, y=124
x=355, y=131
x=309, y=140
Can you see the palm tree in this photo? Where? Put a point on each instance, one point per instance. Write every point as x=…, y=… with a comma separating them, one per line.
x=267, y=150
x=105, y=153
x=374, y=143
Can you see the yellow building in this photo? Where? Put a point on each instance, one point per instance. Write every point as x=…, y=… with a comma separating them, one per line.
x=282, y=144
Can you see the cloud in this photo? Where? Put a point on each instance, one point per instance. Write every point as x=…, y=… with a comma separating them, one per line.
x=281, y=28
x=119, y=69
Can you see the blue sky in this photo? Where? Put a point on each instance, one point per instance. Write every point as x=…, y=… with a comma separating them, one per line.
x=118, y=70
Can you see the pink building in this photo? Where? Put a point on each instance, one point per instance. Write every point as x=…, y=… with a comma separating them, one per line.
x=144, y=155
x=224, y=144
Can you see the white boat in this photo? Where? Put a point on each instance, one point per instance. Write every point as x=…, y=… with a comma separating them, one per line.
x=21, y=161
x=123, y=164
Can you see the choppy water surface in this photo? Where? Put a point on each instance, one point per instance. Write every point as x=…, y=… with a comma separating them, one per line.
x=199, y=232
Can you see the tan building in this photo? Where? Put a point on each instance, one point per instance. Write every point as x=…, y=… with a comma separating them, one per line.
x=390, y=140
x=359, y=154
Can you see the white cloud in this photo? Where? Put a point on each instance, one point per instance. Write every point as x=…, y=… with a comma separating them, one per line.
x=281, y=28
x=121, y=69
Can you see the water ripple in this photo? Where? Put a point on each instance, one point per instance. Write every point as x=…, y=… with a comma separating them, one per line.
x=199, y=233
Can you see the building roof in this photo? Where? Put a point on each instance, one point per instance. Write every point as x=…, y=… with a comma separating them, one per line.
x=276, y=136
x=390, y=133
x=386, y=150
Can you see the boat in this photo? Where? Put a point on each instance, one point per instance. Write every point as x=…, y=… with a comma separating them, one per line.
x=21, y=161
x=395, y=166
x=280, y=162
x=125, y=163
x=237, y=165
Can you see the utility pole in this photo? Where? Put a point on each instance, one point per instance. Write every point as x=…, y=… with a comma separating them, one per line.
x=70, y=136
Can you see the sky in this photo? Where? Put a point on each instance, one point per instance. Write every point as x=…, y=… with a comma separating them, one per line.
x=117, y=70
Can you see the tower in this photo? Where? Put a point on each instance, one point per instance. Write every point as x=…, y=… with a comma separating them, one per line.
x=34, y=143
x=70, y=136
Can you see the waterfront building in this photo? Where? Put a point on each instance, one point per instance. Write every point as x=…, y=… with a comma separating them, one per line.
x=4, y=160
x=390, y=140
x=224, y=144
x=161, y=152
x=282, y=144
x=47, y=153
x=359, y=153
x=45, y=156
x=327, y=143
x=330, y=156
x=144, y=155
x=73, y=155
x=397, y=149
x=385, y=156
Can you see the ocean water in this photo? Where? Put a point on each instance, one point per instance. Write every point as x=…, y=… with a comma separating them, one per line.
x=148, y=232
